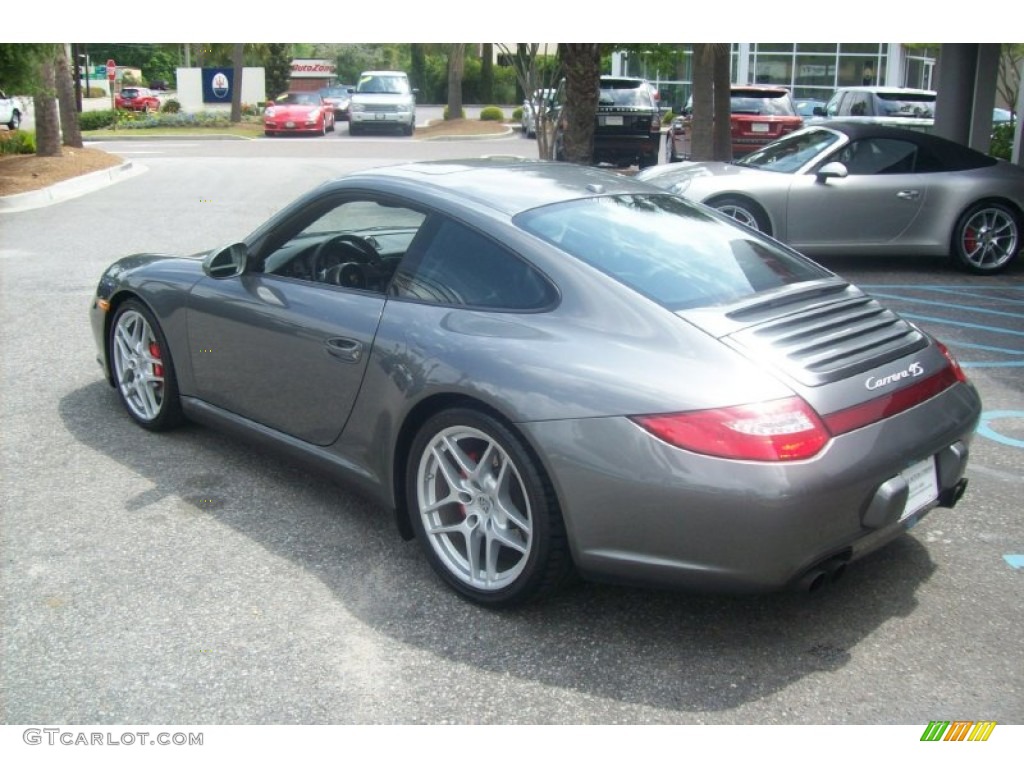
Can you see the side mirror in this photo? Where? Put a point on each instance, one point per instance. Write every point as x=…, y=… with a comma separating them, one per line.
x=229, y=261
x=833, y=170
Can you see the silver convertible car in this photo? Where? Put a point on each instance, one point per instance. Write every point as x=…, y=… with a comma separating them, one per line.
x=541, y=368
x=848, y=188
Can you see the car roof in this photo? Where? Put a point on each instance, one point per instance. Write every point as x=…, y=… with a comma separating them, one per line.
x=383, y=72
x=885, y=89
x=954, y=156
x=506, y=184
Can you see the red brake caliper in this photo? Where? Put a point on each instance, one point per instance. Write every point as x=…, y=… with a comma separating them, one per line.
x=970, y=239
x=154, y=351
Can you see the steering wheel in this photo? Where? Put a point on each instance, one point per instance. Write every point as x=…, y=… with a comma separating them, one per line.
x=324, y=263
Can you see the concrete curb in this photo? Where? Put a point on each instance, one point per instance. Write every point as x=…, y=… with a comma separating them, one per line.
x=65, y=190
x=138, y=135
x=507, y=132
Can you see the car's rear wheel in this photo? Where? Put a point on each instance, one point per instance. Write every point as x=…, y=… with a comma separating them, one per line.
x=744, y=211
x=353, y=129
x=646, y=161
x=15, y=121
x=143, y=369
x=484, y=510
x=986, y=239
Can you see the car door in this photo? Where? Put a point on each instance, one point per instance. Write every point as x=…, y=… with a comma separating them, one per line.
x=873, y=206
x=282, y=345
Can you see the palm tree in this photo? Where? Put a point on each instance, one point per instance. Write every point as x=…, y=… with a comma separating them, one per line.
x=581, y=63
x=711, y=138
x=456, y=66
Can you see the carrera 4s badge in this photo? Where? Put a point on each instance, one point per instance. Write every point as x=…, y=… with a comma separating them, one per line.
x=911, y=371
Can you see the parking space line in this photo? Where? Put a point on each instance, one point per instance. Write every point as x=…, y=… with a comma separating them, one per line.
x=930, y=302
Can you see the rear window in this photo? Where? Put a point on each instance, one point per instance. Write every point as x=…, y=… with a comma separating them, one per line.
x=903, y=105
x=625, y=93
x=674, y=252
x=129, y=93
x=760, y=103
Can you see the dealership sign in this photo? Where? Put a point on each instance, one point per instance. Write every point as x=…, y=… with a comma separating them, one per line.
x=217, y=84
x=320, y=68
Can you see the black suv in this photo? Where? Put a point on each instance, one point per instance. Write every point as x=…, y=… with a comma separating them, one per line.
x=628, y=129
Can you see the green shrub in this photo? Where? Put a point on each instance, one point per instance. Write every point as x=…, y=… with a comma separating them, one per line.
x=94, y=121
x=94, y=93
x=17, y=143
x=517, y=114
x=492, y=113
x=171, y=107
x=463, y=115
x=1002, y=141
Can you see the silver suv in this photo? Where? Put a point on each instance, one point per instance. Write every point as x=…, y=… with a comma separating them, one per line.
x=10, y=114
x=382, y=99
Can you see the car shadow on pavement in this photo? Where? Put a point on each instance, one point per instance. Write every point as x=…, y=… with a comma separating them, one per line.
x=677, y=651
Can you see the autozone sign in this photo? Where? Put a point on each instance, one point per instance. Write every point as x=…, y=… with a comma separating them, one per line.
x=313, y=68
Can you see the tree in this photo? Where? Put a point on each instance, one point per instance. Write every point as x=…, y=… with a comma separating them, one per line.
x=581, y=63
x=277, y=68
x=65, y=89
x=456, y=64
x=711, y=138
x=418, y=64
x=536, y=73
x=237, y=64
x=1008, y=82
x=487, y=73
x=44, y=100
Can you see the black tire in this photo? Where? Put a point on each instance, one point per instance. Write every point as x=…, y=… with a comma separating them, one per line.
x=496, y=533
x=15, y=121
x=646, y=161
x=269, y=133
x=143, y=370
x=353, y=129
x=408, y=129
x=672, y=156
x=987, y=238
x=744, y=211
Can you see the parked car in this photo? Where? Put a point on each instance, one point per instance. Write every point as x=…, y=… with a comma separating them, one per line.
x=10, y=112
x=538, y=366
x=843, y=187
x=339, y=97
x=759, y=114
x=159, y=85
x=298, y=112
x=547, y=99
x=628, y=130
x=383, y=99
x=902, y=107
x=137, y=99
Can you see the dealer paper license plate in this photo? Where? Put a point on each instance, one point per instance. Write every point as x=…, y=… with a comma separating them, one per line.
x=924, y=486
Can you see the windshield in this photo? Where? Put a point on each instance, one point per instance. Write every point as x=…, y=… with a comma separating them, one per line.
x=790, y=154
x=383, y=84
x=312, y=99
x=667, y=249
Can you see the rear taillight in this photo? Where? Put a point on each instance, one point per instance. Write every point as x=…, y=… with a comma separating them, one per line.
x=778, y=430
x=957, y=370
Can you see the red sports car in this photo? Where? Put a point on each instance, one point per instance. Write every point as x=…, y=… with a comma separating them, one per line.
x=303, y=112
x=137, y=99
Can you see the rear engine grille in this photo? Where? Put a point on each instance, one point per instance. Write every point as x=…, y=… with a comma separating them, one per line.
x=826, y=341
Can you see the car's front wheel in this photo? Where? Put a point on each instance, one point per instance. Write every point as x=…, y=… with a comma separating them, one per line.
x=986, y=239
x=484, y=510
x=15, y=121
x=744, y=211
x=143, y=369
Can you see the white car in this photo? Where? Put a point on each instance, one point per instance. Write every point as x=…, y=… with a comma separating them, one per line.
x=382, y=99
x=10, y=112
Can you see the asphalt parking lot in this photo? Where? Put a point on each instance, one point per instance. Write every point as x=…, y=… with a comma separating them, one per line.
x=193, y=578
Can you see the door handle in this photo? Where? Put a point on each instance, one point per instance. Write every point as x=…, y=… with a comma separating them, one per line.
x=908, y=194
x=349, y=350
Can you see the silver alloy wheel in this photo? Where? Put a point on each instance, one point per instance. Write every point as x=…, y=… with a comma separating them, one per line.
x=474, y=508
x=138, y=366
x=989, y=238
x=740, y=214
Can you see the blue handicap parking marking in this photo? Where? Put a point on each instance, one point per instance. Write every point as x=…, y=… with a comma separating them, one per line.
x=985, y=428
x=995, y=331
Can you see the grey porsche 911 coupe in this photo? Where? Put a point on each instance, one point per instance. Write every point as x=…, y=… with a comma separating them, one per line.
x=542, y=368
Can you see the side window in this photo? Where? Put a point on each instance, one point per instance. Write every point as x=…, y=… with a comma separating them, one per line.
x=452, y=264
x=860, y=105
x=870, y=157
x=832, y=108
x=352, y=243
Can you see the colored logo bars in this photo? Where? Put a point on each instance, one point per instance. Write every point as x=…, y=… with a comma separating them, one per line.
x=958, y=730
